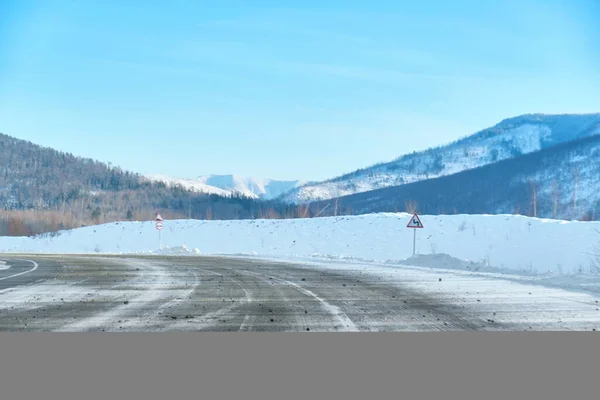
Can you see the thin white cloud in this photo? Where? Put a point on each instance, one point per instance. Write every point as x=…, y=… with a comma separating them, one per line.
x=283, y=27
x=376, y=75
x=161, y=69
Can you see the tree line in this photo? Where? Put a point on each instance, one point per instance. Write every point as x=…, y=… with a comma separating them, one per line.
x=44, y=190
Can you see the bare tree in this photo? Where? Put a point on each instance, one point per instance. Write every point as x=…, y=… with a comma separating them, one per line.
x=336, y=202
x=335, y=206
x=555, y=193
x=576, y=182
x=595, y=264
x=272, y=214
x=534, y=196
x=411, y=206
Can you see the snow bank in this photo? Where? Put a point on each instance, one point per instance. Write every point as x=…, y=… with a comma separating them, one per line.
x=505, y=242
x=176, y=251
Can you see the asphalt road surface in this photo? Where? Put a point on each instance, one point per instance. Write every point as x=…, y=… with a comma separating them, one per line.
x=151, y=293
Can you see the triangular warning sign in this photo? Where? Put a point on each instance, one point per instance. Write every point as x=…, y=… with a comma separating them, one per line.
x=159, y=217
x=415, y=222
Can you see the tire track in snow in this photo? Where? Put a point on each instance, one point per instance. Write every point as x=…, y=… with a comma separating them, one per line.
x=343, y=319
x=246, y=324
x=155, y=292
x=152, y=317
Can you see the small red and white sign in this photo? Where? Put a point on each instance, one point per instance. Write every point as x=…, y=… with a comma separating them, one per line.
x=158, y=218
x=159, y=225
x=415, y=222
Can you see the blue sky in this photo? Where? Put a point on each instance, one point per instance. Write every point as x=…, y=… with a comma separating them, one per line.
x=286, y=90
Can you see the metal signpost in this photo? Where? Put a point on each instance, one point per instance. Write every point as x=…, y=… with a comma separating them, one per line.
x=159, y=227
x=415, y=223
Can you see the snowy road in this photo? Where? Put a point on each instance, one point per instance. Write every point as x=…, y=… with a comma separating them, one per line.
x=155, y=293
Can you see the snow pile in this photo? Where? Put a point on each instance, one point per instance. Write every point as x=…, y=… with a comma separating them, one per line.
x=443, y=261
x=501, y=242
x=176, y=251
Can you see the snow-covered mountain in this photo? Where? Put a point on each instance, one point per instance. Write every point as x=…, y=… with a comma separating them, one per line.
x=266, y=189
x=508, y=139
x=561, y=181
x=250, y=187
x=190, y=184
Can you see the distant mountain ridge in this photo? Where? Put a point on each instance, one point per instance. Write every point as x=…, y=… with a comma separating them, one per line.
x=561, y=181
x=255, y=188
x=189, y=184
x=508, y=139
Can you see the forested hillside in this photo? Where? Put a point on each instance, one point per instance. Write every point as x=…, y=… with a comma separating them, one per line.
x=43, y=190
x=562, y=181
x=508, y=139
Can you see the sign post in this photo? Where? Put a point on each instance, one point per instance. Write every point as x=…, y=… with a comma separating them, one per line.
x=159, y=227
x=415, y=223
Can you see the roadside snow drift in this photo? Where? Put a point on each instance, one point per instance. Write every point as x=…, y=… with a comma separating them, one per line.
x=501, y=241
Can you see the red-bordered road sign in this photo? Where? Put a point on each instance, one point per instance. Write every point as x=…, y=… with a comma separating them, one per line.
x=159, y=225
x=415, y=222
x=158, y=218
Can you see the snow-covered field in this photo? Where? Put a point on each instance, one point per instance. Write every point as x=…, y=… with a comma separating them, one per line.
x=490, y=242
x=510, y=272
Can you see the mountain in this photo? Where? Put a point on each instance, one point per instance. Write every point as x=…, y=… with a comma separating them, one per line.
x=561, y=181
x=251, y=187
x=42, y=190
x=509, y=139
x=266, y=189
x=493, y=171
x=189, y=184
